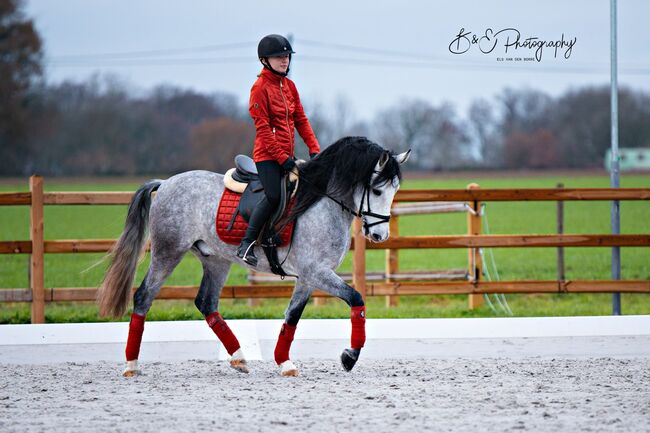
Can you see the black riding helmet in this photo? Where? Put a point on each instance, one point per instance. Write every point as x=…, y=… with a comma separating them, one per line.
x=273, y=45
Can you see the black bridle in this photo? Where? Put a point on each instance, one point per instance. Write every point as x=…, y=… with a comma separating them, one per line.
x=363, y=213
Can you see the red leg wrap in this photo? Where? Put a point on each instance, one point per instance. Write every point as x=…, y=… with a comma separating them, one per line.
x=358, y=318
x=221, y=328
x=284, y=343
x=136, y=328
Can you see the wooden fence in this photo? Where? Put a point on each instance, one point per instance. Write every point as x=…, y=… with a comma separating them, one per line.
x=36, y=246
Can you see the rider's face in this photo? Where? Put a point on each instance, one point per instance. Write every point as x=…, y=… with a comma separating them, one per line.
x=279, y=63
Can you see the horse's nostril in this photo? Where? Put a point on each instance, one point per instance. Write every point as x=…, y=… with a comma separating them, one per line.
x=376, y=237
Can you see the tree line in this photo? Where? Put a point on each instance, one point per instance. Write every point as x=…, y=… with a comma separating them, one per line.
x=99, y=128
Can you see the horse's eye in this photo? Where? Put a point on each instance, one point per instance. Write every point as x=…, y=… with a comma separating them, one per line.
x=376, y=191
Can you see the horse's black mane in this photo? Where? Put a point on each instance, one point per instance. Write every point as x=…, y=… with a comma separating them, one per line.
x=341, y=168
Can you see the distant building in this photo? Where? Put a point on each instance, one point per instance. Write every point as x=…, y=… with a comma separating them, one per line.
x=632, y=158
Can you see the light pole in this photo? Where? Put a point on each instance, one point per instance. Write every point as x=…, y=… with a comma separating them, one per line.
x=614, y=167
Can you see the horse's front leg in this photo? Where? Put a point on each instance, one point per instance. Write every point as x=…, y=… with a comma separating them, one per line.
x=292, y=315
x=329, y=282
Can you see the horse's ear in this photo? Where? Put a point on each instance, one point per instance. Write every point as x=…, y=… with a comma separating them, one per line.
x=403, y=157
x=383, y=159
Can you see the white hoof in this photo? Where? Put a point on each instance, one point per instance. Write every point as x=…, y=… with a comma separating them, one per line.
x=131, y=369
x=287, y=368
x=238, y=362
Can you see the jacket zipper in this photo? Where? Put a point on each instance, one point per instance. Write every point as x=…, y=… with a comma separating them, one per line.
x=286, y=112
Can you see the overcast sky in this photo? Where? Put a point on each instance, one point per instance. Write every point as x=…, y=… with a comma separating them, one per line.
x=372, y=52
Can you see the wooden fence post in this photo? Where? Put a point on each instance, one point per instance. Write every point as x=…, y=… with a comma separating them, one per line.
x=36, y=266
x=319, y=301
x=560, y=230
x=359, y=258
x=253, y=302
x=474, y=256
x=392, y=262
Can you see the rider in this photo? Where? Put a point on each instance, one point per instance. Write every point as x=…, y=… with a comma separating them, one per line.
x=276, y=110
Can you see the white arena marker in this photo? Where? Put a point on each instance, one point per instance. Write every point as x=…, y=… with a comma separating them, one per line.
x=250, y=332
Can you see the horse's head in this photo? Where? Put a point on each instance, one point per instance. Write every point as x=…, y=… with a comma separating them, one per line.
x=376, y=196
x=359, y=175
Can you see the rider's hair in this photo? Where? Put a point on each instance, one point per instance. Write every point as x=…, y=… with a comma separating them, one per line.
x=342, y=167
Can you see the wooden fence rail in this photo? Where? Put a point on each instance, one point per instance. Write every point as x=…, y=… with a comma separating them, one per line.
x=414, y=195
x=529, y=194
x=372, y=289
x=38, y=295
x=400, y=242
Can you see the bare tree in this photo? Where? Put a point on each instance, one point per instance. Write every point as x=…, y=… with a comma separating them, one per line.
x=486, y=132
x=524, y=110
x=434, y=135
x=320, y=123
x=20, y=68
x=581, y=120
x=214, y=143
x=330, y=124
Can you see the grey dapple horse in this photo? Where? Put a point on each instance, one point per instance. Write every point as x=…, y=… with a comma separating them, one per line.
x=353, y=176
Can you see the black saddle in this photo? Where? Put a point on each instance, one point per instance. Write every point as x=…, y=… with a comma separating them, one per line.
x=245, y=165
x=246, y=172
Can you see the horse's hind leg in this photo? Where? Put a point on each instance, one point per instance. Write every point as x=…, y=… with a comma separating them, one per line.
x=215, y=272
x=291, y=317
x=162, y=264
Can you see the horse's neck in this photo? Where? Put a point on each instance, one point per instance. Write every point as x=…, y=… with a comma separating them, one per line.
x=329, y=214
x=349, y=202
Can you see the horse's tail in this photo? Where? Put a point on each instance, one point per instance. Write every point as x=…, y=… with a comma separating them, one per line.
x=114, y=293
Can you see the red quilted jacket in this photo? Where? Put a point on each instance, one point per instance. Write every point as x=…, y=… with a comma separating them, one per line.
x=277, y=112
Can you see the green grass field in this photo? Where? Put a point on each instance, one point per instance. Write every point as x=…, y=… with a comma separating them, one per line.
x=80, y=222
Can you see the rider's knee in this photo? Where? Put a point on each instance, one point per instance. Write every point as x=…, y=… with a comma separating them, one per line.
x=273, y=198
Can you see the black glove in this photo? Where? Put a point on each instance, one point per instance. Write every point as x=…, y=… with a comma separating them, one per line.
x=289, y=164
x=313, y=155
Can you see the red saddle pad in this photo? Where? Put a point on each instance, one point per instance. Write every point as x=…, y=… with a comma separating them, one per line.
x=227, y=206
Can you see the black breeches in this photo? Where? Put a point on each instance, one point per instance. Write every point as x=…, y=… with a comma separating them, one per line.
x=271, y=176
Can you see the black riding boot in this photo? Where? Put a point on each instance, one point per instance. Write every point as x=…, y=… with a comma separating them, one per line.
x=258, y=218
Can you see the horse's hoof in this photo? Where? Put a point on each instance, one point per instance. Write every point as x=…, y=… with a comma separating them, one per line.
x=239, y=365
x=131, y=369
x=287, y=368
x=349, y=357
x=238, y=362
